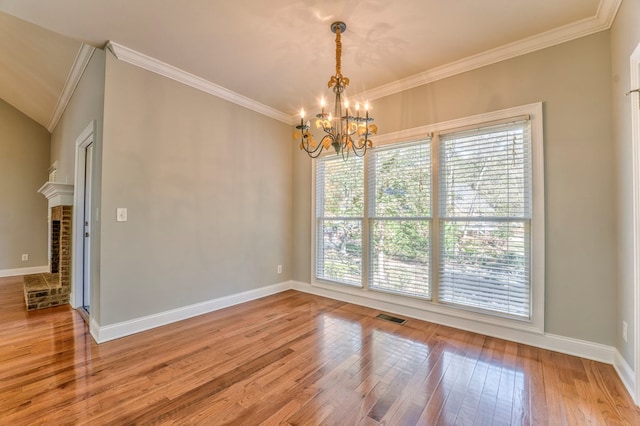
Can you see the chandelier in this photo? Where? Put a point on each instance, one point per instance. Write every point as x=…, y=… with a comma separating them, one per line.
x=345, y=132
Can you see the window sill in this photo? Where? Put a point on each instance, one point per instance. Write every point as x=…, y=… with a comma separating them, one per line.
x=423, y=309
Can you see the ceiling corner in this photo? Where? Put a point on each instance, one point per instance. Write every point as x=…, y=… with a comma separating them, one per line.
x=607, y=11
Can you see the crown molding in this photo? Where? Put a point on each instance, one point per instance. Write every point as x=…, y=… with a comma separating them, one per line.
x=58, y=194
x=607, y=11
x=73, y=78
x=148, y=63
x=603, y=20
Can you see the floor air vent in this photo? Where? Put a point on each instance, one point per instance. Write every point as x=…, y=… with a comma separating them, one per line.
x=390, y=318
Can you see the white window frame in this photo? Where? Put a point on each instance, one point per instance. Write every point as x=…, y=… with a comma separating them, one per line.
x=454, y=313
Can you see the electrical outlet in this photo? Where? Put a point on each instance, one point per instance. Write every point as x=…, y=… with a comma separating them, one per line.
x=25, y=257
x=624, y=330
x=279, y=269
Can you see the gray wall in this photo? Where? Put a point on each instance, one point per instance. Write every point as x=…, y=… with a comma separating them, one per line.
x=24, y=164
x=84, y=107
x=573, y=81
x=208, y=187
x=625, y=36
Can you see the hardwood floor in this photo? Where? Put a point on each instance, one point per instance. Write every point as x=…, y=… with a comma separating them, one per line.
x=293, y=359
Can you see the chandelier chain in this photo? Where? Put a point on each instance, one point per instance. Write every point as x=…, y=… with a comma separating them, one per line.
x=338, y=54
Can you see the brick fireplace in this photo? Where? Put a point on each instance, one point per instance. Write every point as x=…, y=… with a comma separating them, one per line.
x=54, y=287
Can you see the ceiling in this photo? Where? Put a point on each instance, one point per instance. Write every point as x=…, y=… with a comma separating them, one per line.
x=279, y=53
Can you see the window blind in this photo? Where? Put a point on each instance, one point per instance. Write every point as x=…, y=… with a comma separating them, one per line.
x=400, y=219
x=339, y=215
x=485, y=215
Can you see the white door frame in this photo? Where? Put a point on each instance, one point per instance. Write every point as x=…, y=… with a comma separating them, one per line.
x=635, y=150
x=87, y=136
x=87, y=217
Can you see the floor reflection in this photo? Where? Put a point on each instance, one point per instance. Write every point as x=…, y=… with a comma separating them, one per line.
x=387, y=365
x=291, y=358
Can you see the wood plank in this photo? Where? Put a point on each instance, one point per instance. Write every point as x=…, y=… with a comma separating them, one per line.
x=290, y=358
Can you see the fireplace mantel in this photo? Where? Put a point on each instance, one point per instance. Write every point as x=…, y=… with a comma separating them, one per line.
x=58, y=194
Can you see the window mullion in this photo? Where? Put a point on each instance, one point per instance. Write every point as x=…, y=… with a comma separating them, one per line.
x=366, y=224
x=435, y=215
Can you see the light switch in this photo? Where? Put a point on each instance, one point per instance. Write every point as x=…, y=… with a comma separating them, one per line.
x=121, y=214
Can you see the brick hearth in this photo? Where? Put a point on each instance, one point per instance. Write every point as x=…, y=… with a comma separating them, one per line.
x=52, y=289
x=44, y=290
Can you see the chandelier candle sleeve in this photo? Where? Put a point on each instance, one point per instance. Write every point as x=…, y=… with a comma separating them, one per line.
x=345, y=133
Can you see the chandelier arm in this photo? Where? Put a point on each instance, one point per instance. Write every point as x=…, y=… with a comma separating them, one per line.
x=305, y=140
x=345, y=157
x=315, y=154
x=305, y=146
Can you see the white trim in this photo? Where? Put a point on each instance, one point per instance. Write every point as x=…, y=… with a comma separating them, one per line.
x=626, y=373
x=86, y=137
x=23, y=271
x=607, y=11
x=436, y=312
x=541, y=41
x=635, y=165
x=148, y=63
x=94, y=329
x=57, y=194
x=472, y=120
x=114, y=331
x=314, y=222
x=538, y=280
x=73, y=78
x=570, y=346
x=603, y=20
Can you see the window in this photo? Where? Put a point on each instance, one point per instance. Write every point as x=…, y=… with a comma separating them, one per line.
x=400, y=219
x=455, y=233
x=340, y=210
x=485, y=214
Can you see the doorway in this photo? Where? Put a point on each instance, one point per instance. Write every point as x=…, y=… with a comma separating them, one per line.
x=635, y=144
x=86, y=220
x=83, y=220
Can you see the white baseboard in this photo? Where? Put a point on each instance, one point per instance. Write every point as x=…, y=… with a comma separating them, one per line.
x=581, y=348
x=23, y=271
x=114, y=331
x=94, y=329
x=626, y=374
x=566, y=345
